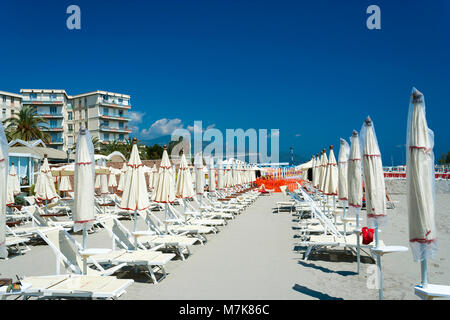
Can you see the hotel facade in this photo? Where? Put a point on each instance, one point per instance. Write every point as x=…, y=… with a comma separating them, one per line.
x=104, y=114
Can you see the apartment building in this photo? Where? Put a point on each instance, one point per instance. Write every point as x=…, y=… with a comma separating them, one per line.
x=104, y=114
x=10, y=103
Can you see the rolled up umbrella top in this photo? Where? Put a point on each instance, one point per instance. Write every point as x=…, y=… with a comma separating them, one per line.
x=65, y=184
x=84, y=182
x=373, y=175
x=344, y=152
x=420, y=181
x=354, y=173
x=135, y=196
x=4, y=162
x=316, y=172
x=184, y=187
x=165, y=186
x=331, y=178
x=228, y=176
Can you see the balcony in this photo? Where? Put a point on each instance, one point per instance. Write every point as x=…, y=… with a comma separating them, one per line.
x=114, y=117
x=114, y=105
x=43, y=102
x=113, y=129
x=52, y=129
x=56, y=142
x=51, y=115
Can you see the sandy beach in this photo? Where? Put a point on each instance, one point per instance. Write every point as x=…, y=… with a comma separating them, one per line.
x=257, y=257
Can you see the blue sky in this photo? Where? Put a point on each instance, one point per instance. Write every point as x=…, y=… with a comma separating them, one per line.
x=310, y=68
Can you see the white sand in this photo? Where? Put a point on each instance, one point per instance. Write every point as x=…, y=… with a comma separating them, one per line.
x=254, y=258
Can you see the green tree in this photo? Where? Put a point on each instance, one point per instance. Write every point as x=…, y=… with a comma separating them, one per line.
x=154, y=152
x=445, y=158
x=26, y=125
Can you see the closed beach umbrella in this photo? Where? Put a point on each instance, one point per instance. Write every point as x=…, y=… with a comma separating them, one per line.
x=121, y=184
x=212, y=175
x=323, y=171
x=184, y=188
x=331, y=177
x=104, y=184
x=65, y=185
x=354, y=173
x=220, y=177
x=316, y=172
x=45, y=187
x=375, y=190
x=135, y=196
x=4, y=162
x=149, y=172
x=83, y=215
x=155, y=176
x=344, y=152
x=234, y=174
x=13, y=180
x=354, y=182
x=112, y=180
x=165, y=187
x=199, y=175
x=228, y=176
x=420, y=181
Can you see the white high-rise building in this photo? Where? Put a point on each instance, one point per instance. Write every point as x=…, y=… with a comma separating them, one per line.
x=104, y=114
x=10, y=103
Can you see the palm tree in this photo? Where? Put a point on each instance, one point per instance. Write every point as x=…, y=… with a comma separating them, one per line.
x=26, y=125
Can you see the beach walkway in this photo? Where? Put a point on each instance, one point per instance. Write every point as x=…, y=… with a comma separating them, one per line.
x=251, y=258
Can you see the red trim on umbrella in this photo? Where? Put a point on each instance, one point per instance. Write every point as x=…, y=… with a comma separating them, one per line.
x=372, y=155
x=130, y=209
x=331, y=194
x=373, y=215
x=355, y=205
x=2, y=159
x=164, y=201
x=343, y=199
x=135, y=165
x=164, y=167
x=84, y=221
x=355, y=159
x=180, y=197
x=422, y=240
x=80, y=163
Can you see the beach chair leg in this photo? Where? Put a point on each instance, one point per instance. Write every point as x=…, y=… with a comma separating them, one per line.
x=152, y=274
x=308, y=251
x=180, y=252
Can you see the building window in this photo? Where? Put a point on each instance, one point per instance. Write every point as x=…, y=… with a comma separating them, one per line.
x=53, y=97
x=105, y=97
x=106, y=123
x=121, y=137
x=120, y=113
x=4, y=98
x=106, y=136
x=33, y=96
x=69, y=115
x=85, y=101
x=12, y=100
x=86, y=125
x=53, y=123
x=3, y=113
x=120, y=100
x=120, y=125
x=105, y=111
x=53, y=110
x=70, y=127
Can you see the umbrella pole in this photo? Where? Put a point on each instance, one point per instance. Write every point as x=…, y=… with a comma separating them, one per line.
x=84, y=237
x=424, y=271
x=358, y=245
x=135, y=221
x=343, y=217
x=380, y=275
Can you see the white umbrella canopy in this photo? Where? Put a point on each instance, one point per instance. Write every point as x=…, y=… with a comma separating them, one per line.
x=13, y=180
x=4, y=162
x=45, y=186
x=65, y=184
x=212, y=175
x=83, y=215
x=184, y=188
x=354, y=174
x=234, y=174
x=165, y=187
x=331, y=178
x=420, y=181
x=220, y=177
x=375, y=190
x=323, y=171
x=154, y=176
x=121, y=183
x=344, y=152
x=135, y=196
x=104, y=184
x=149, y=172
x=199, y=174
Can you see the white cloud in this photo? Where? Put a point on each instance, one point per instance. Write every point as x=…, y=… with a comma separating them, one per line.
x=136, y=117
x=162, y=127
